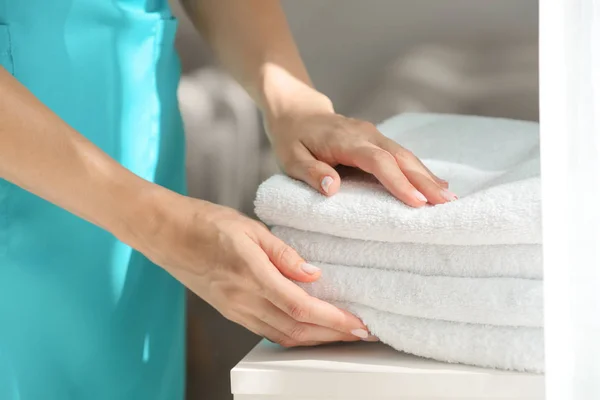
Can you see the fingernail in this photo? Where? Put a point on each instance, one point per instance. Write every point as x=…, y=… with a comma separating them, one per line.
x=448, y=195
x=361, y=333
x=371, y=338
x=309, y=268
x=420, y=196
x=325, y=183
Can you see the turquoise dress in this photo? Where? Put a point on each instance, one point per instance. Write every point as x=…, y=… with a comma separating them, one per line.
x=83, y=316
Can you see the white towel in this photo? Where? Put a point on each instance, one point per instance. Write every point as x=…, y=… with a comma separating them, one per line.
x=510, y=348
x=485, y=261
x=458, y=282
x=492, y=301
x=492, y=164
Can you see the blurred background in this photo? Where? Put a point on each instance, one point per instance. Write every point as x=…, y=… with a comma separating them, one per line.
x=374, y=59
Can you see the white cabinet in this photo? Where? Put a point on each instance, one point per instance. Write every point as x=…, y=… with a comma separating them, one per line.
x=370, y=371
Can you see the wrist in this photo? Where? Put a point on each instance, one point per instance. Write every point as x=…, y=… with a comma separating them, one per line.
x=143, y=215
x=285, y=96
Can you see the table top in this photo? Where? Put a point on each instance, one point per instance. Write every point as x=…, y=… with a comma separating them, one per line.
x=372, y=370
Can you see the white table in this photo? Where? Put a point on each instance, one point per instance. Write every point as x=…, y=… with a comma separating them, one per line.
x=370, y=371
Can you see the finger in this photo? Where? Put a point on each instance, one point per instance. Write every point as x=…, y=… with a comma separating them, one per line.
x=418, y=175
x=296, y=303
x=270, y=333
x=274, y=335
x=443, y=183
x=286, y=259
x=432, y=191
x=305, y=167
x=383, y=166
x=400, y=153
x=300, y=331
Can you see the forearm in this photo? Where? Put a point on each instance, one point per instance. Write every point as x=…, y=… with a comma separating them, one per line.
x=252, y=40
x=42, y=154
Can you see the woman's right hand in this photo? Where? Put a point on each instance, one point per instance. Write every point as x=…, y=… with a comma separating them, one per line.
x=230, y=261
x=236, y=265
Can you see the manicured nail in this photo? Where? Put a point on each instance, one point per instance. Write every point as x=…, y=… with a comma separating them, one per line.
x=325, y=183
x=309, y=268
x=371, y=338
x=361, y=333
x=448, y=195
x=420, y=196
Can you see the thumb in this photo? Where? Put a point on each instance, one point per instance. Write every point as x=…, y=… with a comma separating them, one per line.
x=287, y=260
x=319, y=175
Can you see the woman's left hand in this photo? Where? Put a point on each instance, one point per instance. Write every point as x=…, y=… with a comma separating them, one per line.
x=308, y=144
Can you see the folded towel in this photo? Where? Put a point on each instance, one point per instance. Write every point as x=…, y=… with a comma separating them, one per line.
x=458, y=282
x=485, y=261
x=492, y=164
x=493, y=301
x=510, y=348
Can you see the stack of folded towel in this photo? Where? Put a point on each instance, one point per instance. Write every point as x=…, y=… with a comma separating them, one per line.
x=458, y=282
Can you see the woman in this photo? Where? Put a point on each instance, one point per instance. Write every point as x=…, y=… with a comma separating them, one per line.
x=93, y=221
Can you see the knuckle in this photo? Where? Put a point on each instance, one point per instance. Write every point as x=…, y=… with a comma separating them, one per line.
x=404, y=155
x=262, y=290
x=340, y=124
x=312, y=169
x=259, y=226
x=382, y=157
x=282, y=254
x=366, y=126
x=298, y=312
x=298, y=332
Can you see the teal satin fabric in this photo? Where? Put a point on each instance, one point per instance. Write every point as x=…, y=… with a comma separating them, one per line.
x=82, y=316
